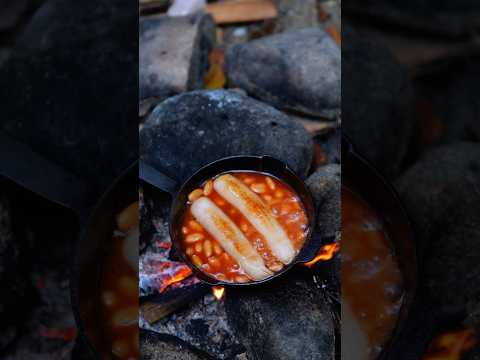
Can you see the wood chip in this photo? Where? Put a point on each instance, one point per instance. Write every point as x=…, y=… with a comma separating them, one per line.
x=237, y=11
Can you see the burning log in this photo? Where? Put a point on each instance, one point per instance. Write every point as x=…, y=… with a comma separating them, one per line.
x=159, y=307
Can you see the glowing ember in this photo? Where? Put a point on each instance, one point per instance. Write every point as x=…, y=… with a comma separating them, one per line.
x=451, y=346
x=326, y=253
x=218, y=292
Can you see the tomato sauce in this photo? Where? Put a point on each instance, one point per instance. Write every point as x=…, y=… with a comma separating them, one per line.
x=209, y=256
x=119, y=305
x=371, y=278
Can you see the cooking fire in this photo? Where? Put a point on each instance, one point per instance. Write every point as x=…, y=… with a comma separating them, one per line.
x=327, y=252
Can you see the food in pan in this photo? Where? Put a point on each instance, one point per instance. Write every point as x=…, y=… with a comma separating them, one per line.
x=258, y=214
x=243, y=226
x=119, y=293
x=230, y=238
x=371, y=280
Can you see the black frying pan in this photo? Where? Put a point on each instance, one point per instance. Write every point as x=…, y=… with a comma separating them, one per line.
x=260, y=164
x=31, y=171
x=361, y=177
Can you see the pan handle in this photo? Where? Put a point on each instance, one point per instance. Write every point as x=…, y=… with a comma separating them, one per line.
x=22, y=165
x=157, y=179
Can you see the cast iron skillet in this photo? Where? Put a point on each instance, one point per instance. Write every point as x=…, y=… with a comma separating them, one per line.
x=260, y=164
x=362, y=178
x=31, y=171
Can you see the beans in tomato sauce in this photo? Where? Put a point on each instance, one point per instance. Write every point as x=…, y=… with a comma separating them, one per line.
x=208, y=255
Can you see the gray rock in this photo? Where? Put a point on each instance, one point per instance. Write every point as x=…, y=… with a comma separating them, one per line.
x=454, y=255
x=438, y=187
x=325, y=185
x=158, y=347
x=71, y=85
x=294, y=14
x=288, y=319
x=191, y=130
x=376, y=103
x=299, y=71
x=174, y=54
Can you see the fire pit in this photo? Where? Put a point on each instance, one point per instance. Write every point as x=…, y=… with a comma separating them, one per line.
x=304, y=301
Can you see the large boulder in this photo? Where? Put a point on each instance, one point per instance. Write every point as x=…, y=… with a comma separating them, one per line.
x=376, y=102
x=438, y=187
x=288, y=319
x=174, y=54
x=298, y=70
x=71, y=84
x=191, y=130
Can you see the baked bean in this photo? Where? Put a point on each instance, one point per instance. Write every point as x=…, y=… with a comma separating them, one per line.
x=196, y=260
x=207, y=190
x=221, y=277
x=195, y=194
x=276, y=267
x=248, y=180
x=244, y=227
x=190, y=251
x=259, y=188
x=267, y=198
x=184, y=230
x=241, y=279
x=198, y=247
x=192, y=238
x=279, y=194
x=217, y=249
x=214, y=262
x=219, y=202
x=207, y=247
x=195, y=225
x=270, y=183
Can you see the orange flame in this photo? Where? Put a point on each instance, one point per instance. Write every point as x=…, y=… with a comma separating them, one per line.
x=218, y=292
x=181, y=275
x=326, y=253
x=451, y=345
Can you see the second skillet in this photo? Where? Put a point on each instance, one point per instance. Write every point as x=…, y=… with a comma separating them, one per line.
x=361, y=177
